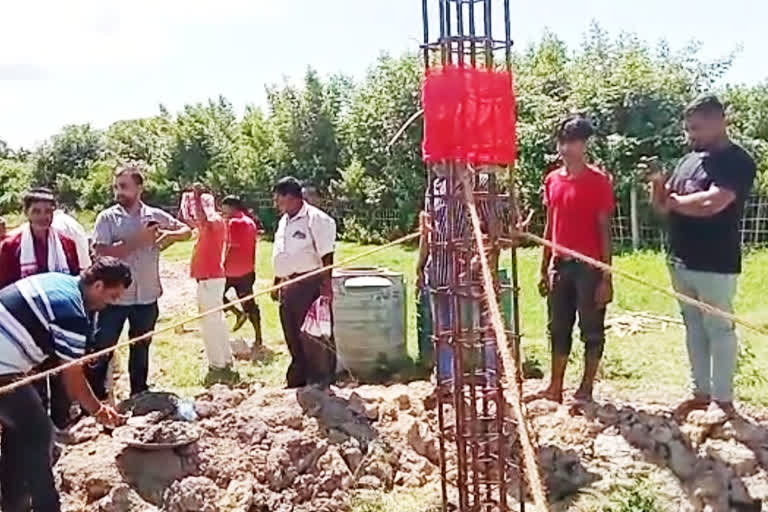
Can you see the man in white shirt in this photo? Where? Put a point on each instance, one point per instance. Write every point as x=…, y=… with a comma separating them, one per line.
x=69, y=227
x=304, y=242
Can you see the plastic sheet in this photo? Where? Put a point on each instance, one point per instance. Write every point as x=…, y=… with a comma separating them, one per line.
x=469, y=116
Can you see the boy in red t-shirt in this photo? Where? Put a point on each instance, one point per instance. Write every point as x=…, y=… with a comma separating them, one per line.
x=240, y=263
x=580, y=203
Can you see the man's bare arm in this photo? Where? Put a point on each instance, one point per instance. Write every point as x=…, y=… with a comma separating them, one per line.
x=702, y=204
x=606, y=239
x=546, y=250
x=659, y=196
x=78, y=388
x=119, y=250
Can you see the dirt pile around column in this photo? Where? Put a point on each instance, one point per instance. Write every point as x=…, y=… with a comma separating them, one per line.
x=275, y=450
x=259, y=450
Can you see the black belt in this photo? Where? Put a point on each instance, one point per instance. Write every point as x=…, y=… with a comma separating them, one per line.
x=299, y=274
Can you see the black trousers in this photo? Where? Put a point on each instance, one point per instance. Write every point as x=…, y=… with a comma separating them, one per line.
x=54, y=395
x=573, y=292
x=141, y=319
x=243, y=286
x=25, y=453
x=313, y=361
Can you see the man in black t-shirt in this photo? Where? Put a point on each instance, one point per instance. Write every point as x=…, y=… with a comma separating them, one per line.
x=703, y=201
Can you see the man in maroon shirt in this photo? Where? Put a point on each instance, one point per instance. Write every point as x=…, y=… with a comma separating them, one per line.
x=580, y=203
x=50, y=251
x=39, y=205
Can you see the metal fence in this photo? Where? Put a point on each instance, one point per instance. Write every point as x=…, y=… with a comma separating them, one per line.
x=387, y=222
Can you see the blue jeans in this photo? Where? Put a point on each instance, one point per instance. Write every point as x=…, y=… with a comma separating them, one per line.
x=712, y=342
x=442, y=315
x=141, y=319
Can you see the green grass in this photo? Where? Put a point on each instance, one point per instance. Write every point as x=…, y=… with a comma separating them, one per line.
x=426, y=499
x=654, y=362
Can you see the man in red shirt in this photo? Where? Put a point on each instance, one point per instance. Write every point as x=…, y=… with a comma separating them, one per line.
x=580, y=203
x=240, y=263
x=37, y=248
x=207, y=268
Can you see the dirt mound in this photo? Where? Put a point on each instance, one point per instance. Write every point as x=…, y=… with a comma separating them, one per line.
x=265, y=450
x=275, y=450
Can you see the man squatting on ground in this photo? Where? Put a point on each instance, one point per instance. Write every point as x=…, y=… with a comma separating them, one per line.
x=36, y=247
x=304, y=242
x=240, y=263
x=580, y=203
x=703, y=203
x=135, y=233
x=44, y=320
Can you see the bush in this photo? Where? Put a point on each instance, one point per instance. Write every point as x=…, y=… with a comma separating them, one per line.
x=15, y=177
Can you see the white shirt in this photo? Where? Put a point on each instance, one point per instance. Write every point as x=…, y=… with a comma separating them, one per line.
x=302, y=240
x=72, y=229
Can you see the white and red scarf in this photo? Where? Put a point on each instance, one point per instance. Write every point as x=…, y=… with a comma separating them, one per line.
x=57, y=259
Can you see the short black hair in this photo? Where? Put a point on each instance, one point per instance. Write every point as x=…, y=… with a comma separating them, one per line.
x=575, y=127
x=110, y=271
x=233, y=202
x=707, y=104
x=288, y=186
x=133, y=170
x=39, y=194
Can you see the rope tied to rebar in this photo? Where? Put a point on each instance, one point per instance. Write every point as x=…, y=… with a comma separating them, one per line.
x=510, y=374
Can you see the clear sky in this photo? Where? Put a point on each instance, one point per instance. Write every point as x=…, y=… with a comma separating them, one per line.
x=98, y=61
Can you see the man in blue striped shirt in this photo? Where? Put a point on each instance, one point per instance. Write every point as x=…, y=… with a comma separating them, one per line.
x=44, y=321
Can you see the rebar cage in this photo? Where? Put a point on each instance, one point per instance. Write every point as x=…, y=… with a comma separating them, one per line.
x=479, y=468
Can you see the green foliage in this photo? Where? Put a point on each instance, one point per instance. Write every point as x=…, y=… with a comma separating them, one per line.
x=357, y=188
x=748, y=116
x=14, y=181
x=65, y=162
x=634, y=94
x=336, y=133
x=379, y=108
x=305, y=125
x=639, y=498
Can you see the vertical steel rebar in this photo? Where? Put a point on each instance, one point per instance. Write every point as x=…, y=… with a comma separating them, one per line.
x=470, y=401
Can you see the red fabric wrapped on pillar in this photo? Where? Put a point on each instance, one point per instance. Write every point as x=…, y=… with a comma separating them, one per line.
x=469, y=116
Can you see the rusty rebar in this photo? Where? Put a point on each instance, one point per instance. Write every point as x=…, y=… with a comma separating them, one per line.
x=470, y=401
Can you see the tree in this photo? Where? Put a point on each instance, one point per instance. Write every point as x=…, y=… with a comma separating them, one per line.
x=635, y=96
x=147, y=141
x=5, y=151
x=388, y=97
x=204, y=147
x=15, y=177
x=64, y=163
x=305, y=124
x=748, y=119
